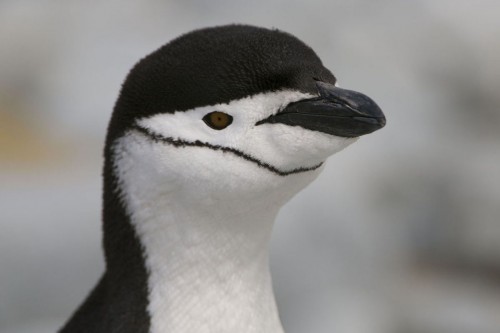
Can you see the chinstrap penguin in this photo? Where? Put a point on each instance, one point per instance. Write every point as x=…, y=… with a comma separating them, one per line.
x=211, y=134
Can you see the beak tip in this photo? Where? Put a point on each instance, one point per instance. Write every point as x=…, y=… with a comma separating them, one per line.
x=383, y=122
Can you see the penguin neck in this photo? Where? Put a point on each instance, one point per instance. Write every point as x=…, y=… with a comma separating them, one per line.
x=204, y=240
x=208, y=272
x=205, y=250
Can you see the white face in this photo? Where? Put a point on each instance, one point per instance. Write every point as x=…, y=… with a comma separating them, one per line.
x=181, y=152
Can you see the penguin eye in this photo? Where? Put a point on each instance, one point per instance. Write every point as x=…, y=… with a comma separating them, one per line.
x=218, y=120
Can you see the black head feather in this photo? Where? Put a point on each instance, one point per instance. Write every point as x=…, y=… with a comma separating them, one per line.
x=216, y=65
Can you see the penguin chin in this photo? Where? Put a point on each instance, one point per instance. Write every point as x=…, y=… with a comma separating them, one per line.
x=215, y=176
x=292, y=147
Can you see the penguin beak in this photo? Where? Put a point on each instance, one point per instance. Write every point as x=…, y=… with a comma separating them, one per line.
x=336, y=111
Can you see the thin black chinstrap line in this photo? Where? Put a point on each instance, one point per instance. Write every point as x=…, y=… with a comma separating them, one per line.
x=181, y=143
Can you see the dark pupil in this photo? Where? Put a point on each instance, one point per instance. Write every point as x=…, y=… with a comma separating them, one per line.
x=218, y=119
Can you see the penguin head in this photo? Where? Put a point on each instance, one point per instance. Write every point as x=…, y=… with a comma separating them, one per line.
x=233, y=111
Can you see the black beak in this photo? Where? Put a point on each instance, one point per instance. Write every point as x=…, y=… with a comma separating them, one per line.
x=336, y=111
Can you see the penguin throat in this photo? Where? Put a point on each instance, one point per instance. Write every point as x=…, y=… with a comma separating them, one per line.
x=207, y=272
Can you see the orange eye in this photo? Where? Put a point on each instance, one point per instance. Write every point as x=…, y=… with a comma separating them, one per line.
x=218, y=120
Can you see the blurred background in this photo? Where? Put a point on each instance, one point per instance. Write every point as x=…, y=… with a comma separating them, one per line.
x=400, y=234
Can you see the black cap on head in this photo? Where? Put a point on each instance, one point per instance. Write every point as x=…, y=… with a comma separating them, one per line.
x=216, y=65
